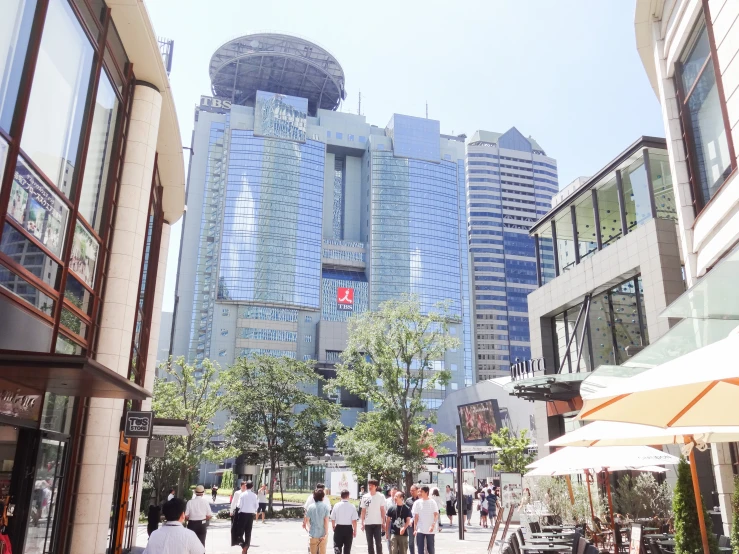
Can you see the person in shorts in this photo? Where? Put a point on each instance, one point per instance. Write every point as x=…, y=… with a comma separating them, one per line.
x=262, y=500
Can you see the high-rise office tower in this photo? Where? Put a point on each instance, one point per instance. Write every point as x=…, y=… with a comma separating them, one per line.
x=510, y=184
x=299, y=215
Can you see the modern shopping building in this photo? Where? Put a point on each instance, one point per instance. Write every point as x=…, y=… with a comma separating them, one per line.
x=91, y=177
x=688, y=49
x=299, y=215
x=510, y=185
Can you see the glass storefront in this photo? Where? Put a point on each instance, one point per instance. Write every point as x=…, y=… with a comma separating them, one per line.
x=601, y=333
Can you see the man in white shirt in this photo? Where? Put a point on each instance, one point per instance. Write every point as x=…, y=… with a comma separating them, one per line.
x=236, y=496
x=373, y=517
x=235, y=511
x=171, y=495
x=198, y=513
x=344, y=522
x=425, y=515
x=172, y=537
x=310, y=500
x=248, y=506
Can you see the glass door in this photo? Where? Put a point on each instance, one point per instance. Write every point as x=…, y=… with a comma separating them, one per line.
x=45, y=499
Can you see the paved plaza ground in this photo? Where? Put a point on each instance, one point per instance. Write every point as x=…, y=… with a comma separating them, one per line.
x=286, y=536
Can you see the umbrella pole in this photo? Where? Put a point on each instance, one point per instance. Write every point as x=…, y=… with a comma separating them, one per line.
x=610, y=499
x=590, y=496
x=698, y=500
x=569, y=489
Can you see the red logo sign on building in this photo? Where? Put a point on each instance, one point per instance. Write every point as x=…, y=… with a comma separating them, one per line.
x=345, y=298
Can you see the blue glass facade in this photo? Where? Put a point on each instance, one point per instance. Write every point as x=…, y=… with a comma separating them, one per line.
x=415, y=137
x=415, y=226
x=510, y=184
x=271, y=245
x=332, y=280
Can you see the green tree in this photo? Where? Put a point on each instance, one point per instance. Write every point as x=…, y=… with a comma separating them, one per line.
x=513, y=453
x=275, y=411
x=642, y=496
x=191, y=394
x=391, y=360
x=687, y=531
x=227, y=481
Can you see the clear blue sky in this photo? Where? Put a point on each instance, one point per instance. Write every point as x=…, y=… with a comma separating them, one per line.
x=565, y=72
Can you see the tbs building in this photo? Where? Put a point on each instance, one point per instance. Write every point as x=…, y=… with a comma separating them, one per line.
x=299, y=216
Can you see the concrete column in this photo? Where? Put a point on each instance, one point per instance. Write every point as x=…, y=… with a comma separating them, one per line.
x=151, y=358
x=724, y=476
x=101, y=440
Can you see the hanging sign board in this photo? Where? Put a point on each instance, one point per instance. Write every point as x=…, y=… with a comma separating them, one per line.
x=138, y=425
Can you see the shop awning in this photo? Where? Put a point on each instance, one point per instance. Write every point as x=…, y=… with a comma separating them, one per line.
x=68, y=376
x=171, y=427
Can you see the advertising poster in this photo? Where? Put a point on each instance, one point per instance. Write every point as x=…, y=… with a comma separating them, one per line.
x=280, y=116
x=479, y=420
x=511, y=489
x=445, y=479
x=84, y=254
x=39, y=210
x=344, y=479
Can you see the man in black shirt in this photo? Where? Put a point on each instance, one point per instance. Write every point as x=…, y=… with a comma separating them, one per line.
x=412, y=497
x=398, y=522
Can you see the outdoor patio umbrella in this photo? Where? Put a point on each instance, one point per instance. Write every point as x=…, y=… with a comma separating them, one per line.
x=610, y=433
x=696, y=389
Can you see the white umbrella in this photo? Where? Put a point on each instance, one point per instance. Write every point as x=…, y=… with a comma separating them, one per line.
x=544, y=472
x=693, y=390
x=626, y=457
x=610, y=433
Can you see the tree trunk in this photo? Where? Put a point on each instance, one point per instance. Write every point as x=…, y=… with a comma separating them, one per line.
x=272, y=464
x=408, y=481
x=181, y=482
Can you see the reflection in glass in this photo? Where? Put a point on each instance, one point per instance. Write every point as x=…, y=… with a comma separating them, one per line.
x=25, y=290
x=56, y=107
x=15, y=28
x=625, y=318
x=600, y=330
x=608, y=210
x=587, y=241
x=25, y=253
x=78, y=295
x=92, y=196
x=37, y=208
x=565, y=241
x=65, y=345
x=636, y=194
x=57, y=413
x=73, y=323
x=546, y=254
x=45, y=499
x=664, y=195
x=710, y=145
x=3, y=157
x=83, y=260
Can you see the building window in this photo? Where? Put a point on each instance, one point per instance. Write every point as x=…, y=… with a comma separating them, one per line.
x=308, y=319
x=703, y=116
x=328, y=134
x=362, y=139
x=339, y=135
x=224, y=332
x=351, y=138
x=308, y=338
x=222, y=353
x=306, y=357
x=453, y=367
x=225, y=312
x=15, y=28
x=56, y=107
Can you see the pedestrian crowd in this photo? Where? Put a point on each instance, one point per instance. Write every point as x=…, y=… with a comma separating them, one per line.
x=407, y=522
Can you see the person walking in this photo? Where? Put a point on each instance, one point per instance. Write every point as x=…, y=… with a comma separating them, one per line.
x=262, y=502
x=373, y=517
x=235, y=513
x=153, y=515
x=468, y=508
x=410, y=501
x=248, y=506
x=171, y=495
x=344, y=523
x=214, y=492
x=316, y=523
x=483, y=510
x=311, y=498
x=172, y=537
x=197, y=513
x=398, y=521
x=425, y=517
x=450, y=500
x=389, y=503
x=493, y=504
x=436, y=498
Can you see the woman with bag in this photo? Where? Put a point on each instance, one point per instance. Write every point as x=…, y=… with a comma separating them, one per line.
x=450, y=500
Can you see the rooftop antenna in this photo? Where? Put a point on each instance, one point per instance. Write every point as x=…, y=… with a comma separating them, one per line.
x=359, y=108
x=427, y=109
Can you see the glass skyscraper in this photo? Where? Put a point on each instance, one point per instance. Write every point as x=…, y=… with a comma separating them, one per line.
x=510, y=185
x=300, y=216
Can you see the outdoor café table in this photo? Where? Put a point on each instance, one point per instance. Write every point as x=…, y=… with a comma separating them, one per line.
x=552, y=528
x=552, y=535
x=549, y=541
x=547, y=547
